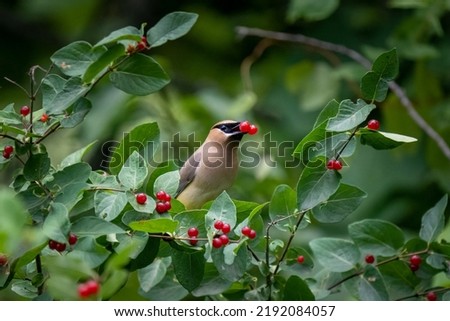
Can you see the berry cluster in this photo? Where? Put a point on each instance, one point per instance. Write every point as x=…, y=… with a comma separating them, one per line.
x=247, y=231
x=3, y=259
x=221, y=240
x=193, y=233
x=373, y=124
x=163, y=203
x=370, y=259
x=414, y=262
x=88, y=288
x=334, y=164
x=24, y=110
x=7, y=151
x=248, y=128
x=61, y=247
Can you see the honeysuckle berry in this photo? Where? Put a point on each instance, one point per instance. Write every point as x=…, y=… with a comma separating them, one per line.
x=8, y=149
x=224, y=238
x=44, y=118
x=141, y=198
x=88, y=288
x=252, y=234
x=431, y=296
x=217, y=243
x=373, y=124
x=245, y=230
x=193, y=240
x=300, y=259
x=252, y=130
x=193, y=231
x=218, y=225
x=415, y=259
x=226, y=228
x=244, y=126
x=24, y=110
x=413, y=267
x=3, y=259
x=369, y=259
x=72, y=239
x=163, y=196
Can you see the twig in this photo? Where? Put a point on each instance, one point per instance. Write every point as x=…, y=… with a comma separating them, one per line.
x=356, y=56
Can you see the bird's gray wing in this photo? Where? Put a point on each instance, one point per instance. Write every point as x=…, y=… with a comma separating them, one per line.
x=187, y=173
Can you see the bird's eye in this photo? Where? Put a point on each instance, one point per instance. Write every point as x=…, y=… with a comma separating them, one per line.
x=224, y=128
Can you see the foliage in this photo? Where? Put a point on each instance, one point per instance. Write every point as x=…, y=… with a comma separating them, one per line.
x=118, y=236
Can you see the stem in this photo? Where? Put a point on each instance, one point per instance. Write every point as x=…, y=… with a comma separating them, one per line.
x=418, y=294
x=346, y=143
x=356, y=56
x=39, y=271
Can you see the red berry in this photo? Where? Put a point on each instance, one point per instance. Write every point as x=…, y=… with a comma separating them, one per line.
x=3, y=259
x=8, y=149
x=44, y=118
x=60, y=247
x=92, y=286
x=161, y=207
x=413, y=267
x=6, y=155
x=373, y=124
x=217, y=242
x=252, y=234
x=245, y=230
x=244, y=126
x=193, y=240
x=163, y=196
x=141, y=198
x=224, y=238
x=218, y=225
x=167, y=205
x=300, y=259
x=330, y=164
x=431, y=296
x=193, y=231
x=415, y=259
x=337, y=165
x=72, y=239
x=83, y=291
x=52, y=244
x=370, y=259
x=252, y=130
x=226, y=228
x=24, y=111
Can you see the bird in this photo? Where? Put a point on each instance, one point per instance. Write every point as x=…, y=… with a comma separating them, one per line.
x=212, y=168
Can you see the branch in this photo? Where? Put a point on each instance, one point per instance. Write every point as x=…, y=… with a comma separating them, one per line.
x=356, y=56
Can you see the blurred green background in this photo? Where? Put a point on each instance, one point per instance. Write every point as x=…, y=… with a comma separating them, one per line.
x=290, y=82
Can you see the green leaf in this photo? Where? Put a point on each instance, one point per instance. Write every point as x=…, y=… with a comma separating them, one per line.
x=10, y=116
x=316, y=185
x=57, y=225
x=13, y=218
x=80, y=109
x=371, y=285
x=188, y=219
x=386, y=65
x=383, y=140
x=143, y=138
x=222, y=209
x=399, y=279
x=170, y=27
x=75, y=58
x=109, y=204
x=311, y=10
x=168, y=289
x=76, y=156
x=189, y=268
x=51, y=85
x=282, y=205
x=231, y=266
x=105, y=60
x=160, y=169
x=433, y=221
x=336, y=255
x=350, y=115
x=139, y=75
x=212, y=283
x=167, y=182
x=133, y=172
x=36, y=167
x=329, y=111
x=69, y=266
x=76, y=173
x=154, y=273
x=113, y=284
x=373, y=87
x=147, y=255
x=377, y=237
x=126, y=33
x=296, y=289
x=159, y=225
x=90, y=252
x=62, y=98
x=94, y=226
x=28, y=256
x=343, y=202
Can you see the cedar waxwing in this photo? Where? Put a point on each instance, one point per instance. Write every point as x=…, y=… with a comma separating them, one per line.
x=213, y=166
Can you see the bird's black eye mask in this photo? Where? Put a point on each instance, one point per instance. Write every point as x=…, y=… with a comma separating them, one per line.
x=229, y=128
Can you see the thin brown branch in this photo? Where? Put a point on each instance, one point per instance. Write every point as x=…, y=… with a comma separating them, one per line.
x=356, y=56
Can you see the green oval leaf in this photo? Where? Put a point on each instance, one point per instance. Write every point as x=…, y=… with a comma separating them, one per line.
x=433, y=221
x=334, y=254
x=94, y=226
x=139, y=75
x=350, y=115
x=36, y=167
x=159, y=225
x=167, y=182
x=282, y=205
x=343, y=202
x=106, y=59
x=57, y=225
x=126, y=33
x=189, y=268
x=154, y=273
x=371, y=285
x=133, y=172
x=296, y=289
x=383, y=140
x=109, y=204
x=377, y=237
x=170, y=27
